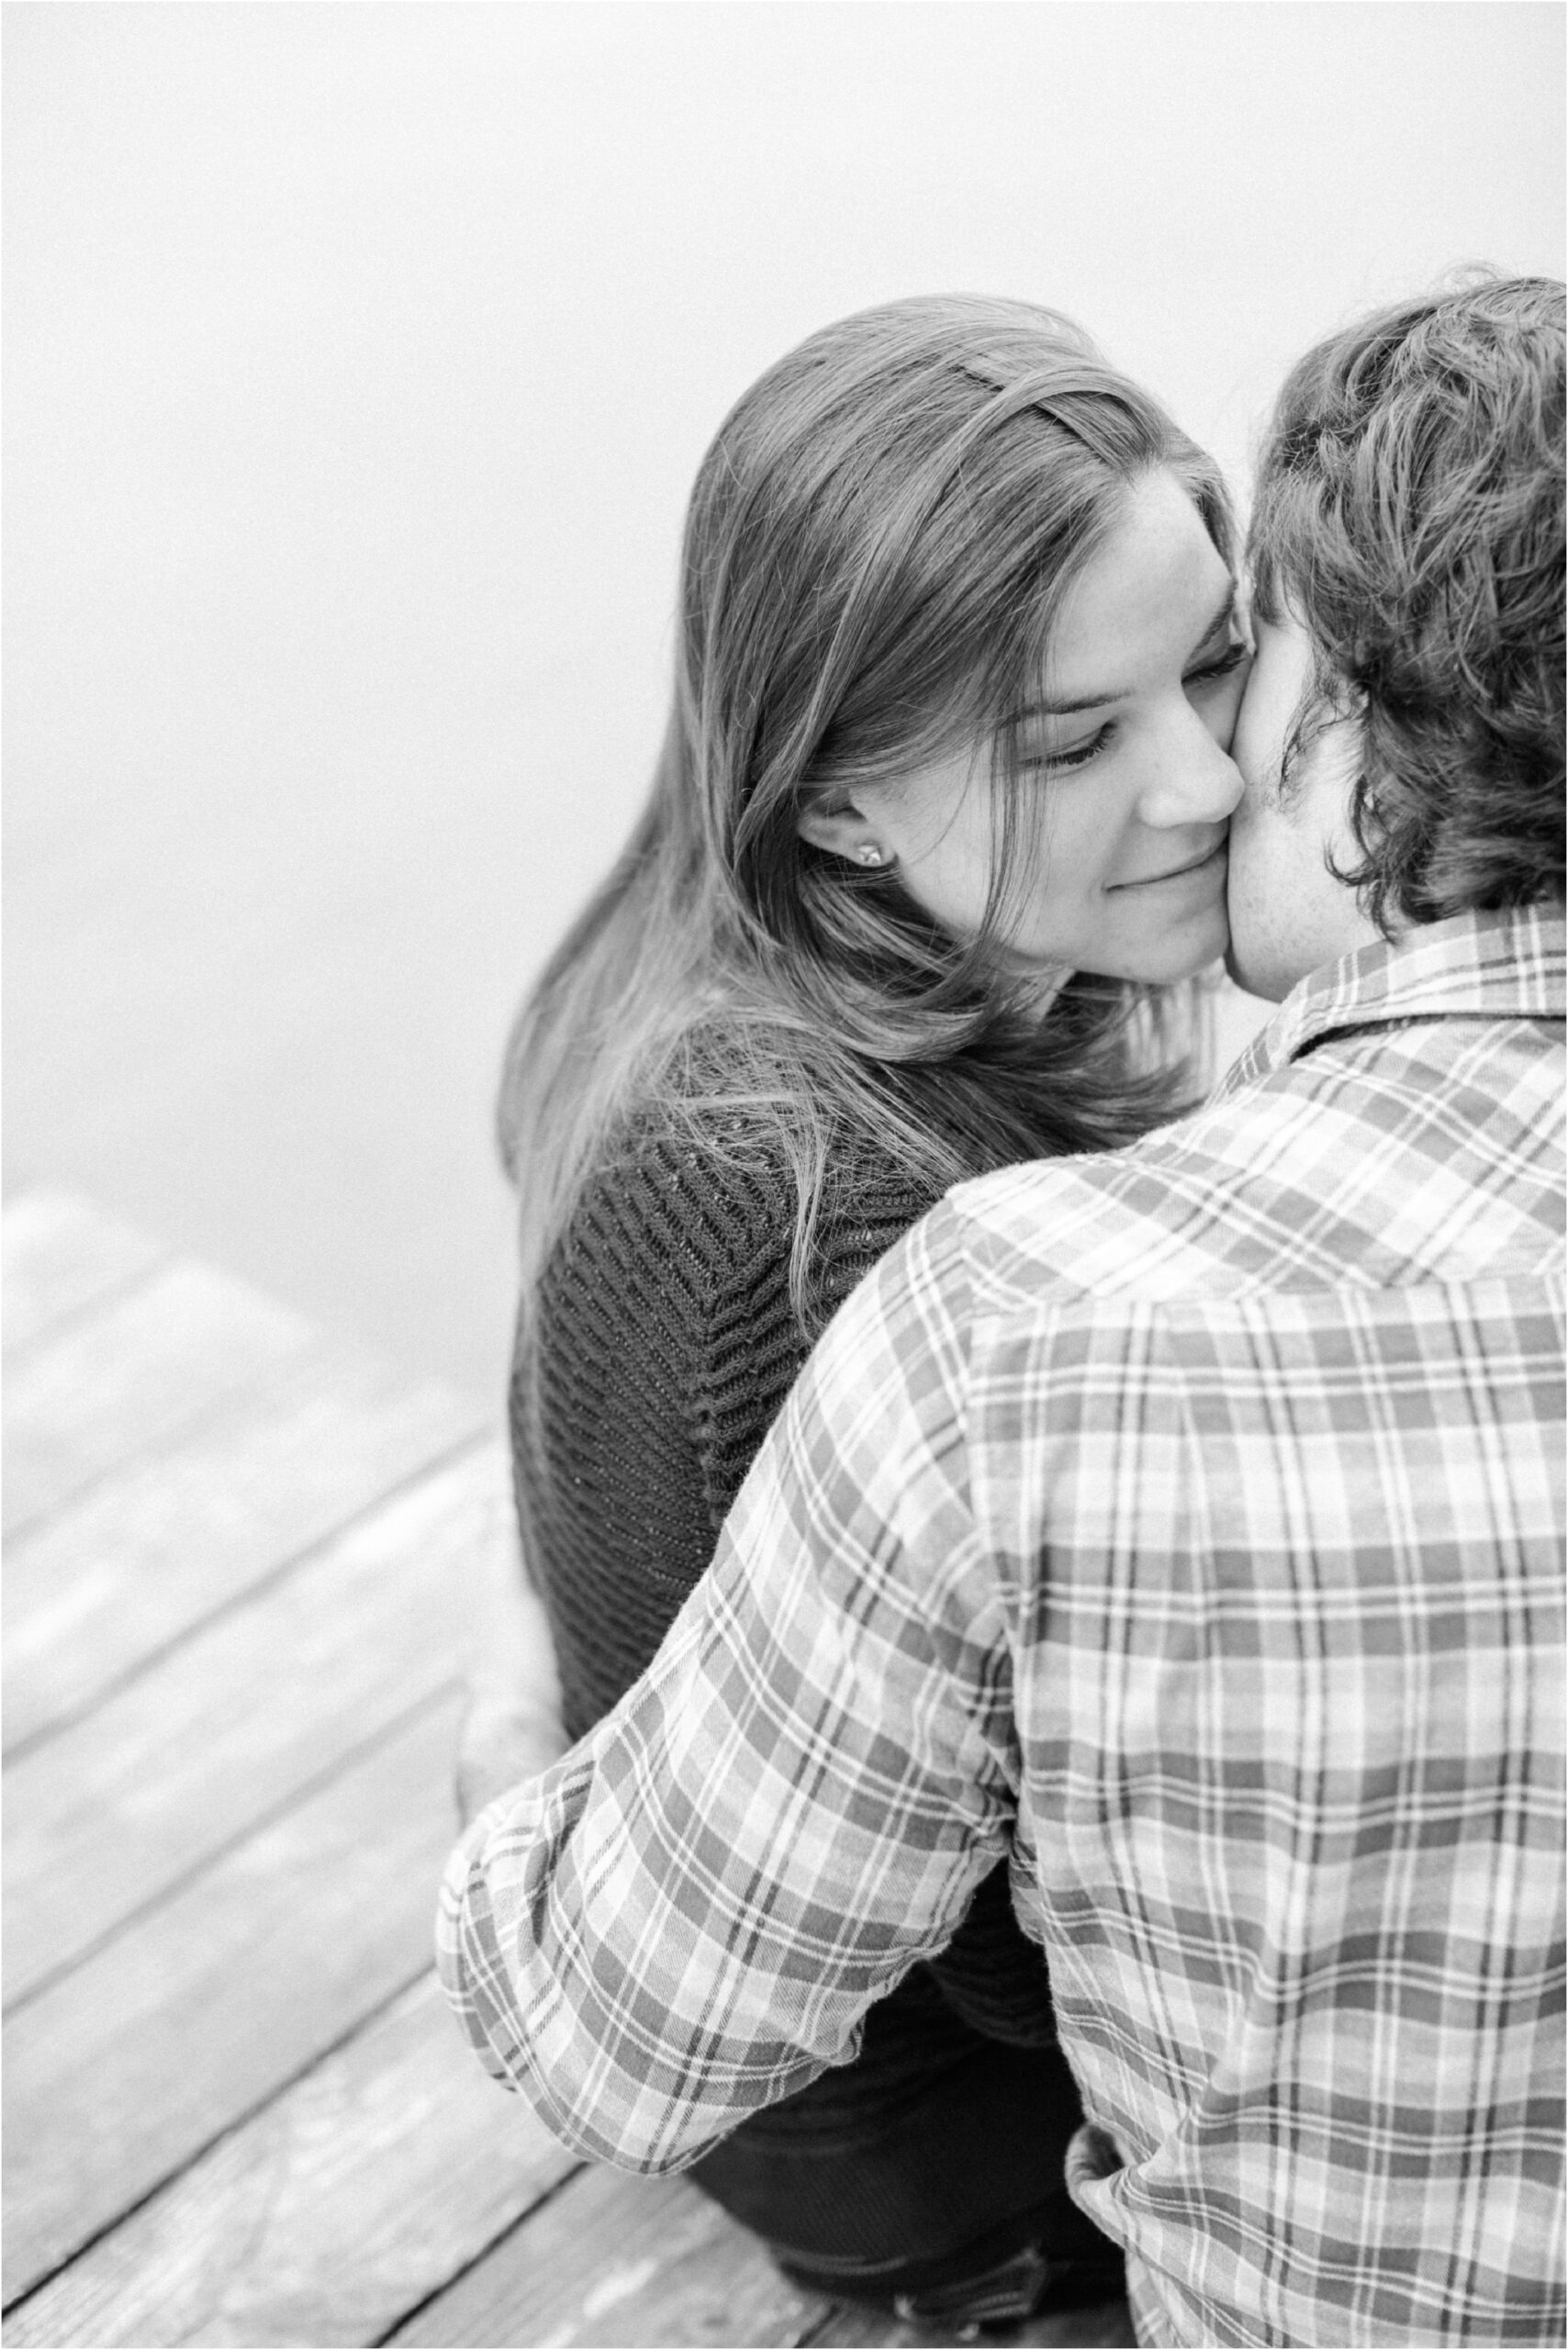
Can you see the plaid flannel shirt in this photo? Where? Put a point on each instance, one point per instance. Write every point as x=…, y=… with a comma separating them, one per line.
x=1186, y=1524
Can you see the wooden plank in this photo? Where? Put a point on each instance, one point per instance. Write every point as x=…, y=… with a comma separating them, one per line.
x=59, y=1254
x=121, y=1379
x=397, y=2148
x=151, y=1550
x=116, y=1809
x=611, y=2260
x=121, y=2073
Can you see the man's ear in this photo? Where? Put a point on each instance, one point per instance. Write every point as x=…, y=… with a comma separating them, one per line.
x=844, y=829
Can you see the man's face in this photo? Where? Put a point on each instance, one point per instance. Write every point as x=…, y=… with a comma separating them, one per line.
x=1288, y=914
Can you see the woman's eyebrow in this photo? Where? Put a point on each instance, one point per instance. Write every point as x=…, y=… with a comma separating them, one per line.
x=1224, y=613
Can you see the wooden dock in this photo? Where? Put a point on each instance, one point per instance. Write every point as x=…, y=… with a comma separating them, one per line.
x=236, y=2108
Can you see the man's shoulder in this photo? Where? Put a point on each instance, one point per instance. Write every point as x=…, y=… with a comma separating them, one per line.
x=1378, y=1160
x=1210, y=1201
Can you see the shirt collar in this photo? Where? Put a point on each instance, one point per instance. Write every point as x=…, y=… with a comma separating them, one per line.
x=1497, y=965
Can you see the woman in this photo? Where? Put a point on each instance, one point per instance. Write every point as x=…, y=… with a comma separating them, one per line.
x=937, y=831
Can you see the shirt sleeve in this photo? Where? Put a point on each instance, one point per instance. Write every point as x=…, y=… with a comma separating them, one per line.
x=688, y=1916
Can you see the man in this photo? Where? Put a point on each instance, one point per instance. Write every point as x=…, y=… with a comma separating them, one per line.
x=1186, y=1523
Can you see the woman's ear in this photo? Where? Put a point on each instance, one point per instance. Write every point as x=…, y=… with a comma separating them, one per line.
x=844, y=831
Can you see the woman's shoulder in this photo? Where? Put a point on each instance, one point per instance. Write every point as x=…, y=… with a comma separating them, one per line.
x=713, y=1200
x=706, y=1188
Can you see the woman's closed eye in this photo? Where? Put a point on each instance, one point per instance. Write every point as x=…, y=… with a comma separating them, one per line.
x=1060, y=762
x=1229, y=662
x=1202, y=680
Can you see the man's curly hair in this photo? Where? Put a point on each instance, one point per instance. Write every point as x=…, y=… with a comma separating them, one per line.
x=1409, y=511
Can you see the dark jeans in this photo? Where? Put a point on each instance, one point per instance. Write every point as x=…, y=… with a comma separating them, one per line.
x=953, y=2204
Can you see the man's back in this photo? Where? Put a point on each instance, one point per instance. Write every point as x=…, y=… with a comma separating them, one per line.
x=1188, y=1524
x=1264, y=1440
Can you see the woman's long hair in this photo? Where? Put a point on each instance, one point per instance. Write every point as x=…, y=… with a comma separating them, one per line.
x=879, y=541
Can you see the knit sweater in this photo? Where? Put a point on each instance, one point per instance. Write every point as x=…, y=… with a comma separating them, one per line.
x=664, y=1345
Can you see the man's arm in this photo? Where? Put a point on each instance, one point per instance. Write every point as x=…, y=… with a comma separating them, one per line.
x=688, y=1916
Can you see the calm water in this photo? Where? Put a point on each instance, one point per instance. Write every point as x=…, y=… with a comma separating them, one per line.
x=358, y=362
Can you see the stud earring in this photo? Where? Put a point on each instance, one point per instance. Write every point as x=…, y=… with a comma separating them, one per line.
x=869, y=854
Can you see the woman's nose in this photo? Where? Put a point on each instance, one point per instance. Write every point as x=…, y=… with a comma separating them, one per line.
x=1196, y=782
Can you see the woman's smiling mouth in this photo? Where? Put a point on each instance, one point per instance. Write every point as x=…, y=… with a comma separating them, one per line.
x=1212, y=859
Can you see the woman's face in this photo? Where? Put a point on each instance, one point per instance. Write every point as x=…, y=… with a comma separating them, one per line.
x=1128, y=748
